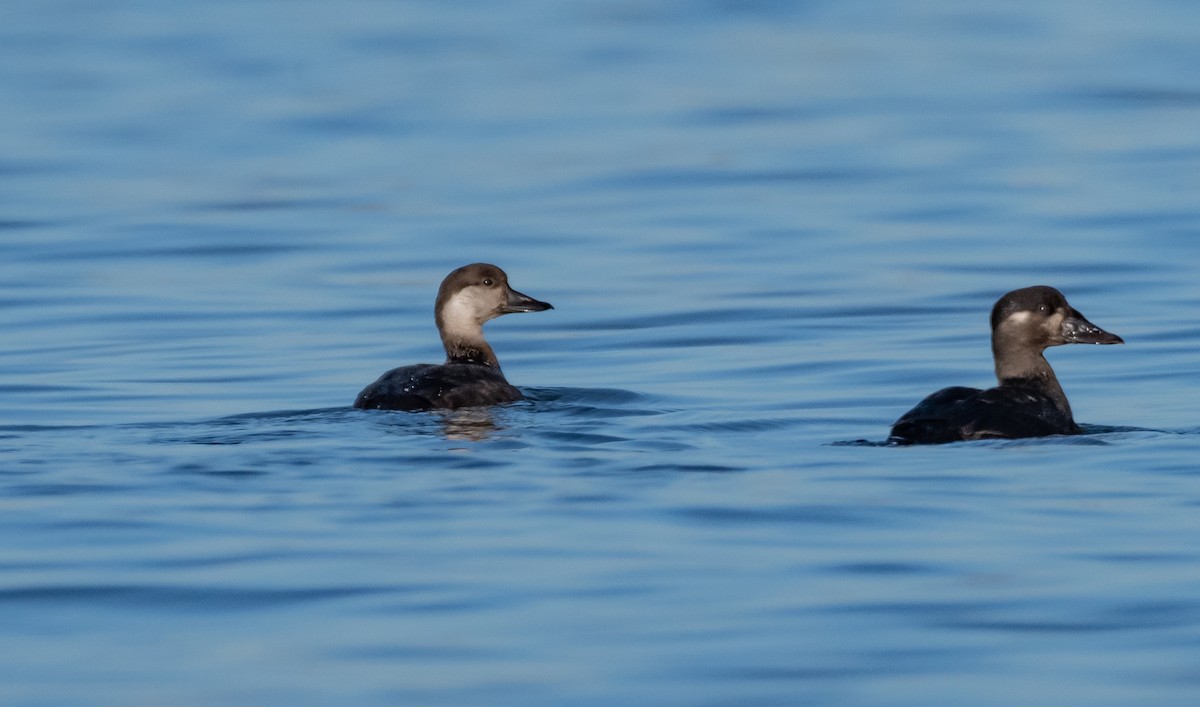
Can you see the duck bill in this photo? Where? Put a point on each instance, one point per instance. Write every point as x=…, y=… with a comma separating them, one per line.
x=518, y=302
x=1076, y=329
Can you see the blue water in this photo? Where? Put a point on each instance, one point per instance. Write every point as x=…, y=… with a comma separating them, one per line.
x=767, y=229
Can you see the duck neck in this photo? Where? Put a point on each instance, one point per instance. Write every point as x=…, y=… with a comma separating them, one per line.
x=469, y=350
x=1030, y=369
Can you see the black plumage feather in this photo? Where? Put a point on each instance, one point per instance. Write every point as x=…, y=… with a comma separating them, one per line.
x=426, y=386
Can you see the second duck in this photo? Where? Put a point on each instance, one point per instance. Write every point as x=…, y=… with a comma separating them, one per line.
x=467, y=298
x=1028, y=402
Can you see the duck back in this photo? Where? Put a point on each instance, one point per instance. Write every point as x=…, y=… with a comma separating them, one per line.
x=1004, y=412
x=427, y=386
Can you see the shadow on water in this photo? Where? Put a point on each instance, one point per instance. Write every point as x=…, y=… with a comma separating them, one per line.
x=1092, y=435
x=560, y=413
x=570, y=406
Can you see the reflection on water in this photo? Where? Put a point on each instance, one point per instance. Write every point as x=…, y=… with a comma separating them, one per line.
x=469, y=424
x=768, y=228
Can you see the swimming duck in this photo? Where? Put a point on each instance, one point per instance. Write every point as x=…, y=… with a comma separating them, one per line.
x=467, y=298
x=1028, y=402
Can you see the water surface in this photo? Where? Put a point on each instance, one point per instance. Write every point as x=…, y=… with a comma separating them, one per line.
x=767, y=229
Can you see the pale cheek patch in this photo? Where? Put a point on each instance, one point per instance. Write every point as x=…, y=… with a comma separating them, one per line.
x=467, y=310
x=1019, y=317
x=460, y=315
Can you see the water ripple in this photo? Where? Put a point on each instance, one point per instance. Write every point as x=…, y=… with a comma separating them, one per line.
x=178, y=598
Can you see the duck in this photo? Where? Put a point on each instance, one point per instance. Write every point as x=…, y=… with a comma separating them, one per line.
x=1029, y=401
x=468, y=297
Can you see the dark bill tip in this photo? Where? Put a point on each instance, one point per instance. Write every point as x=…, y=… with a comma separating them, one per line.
x=518, y=302
x=1077, y=330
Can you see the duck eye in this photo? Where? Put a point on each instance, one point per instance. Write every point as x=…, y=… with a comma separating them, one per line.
x=1044, y=308
x=487, y=282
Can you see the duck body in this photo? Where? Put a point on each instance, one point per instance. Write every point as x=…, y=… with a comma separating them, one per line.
x=429, y=386
x=1016, y=409
x=471, y=375
x=1028, y=402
